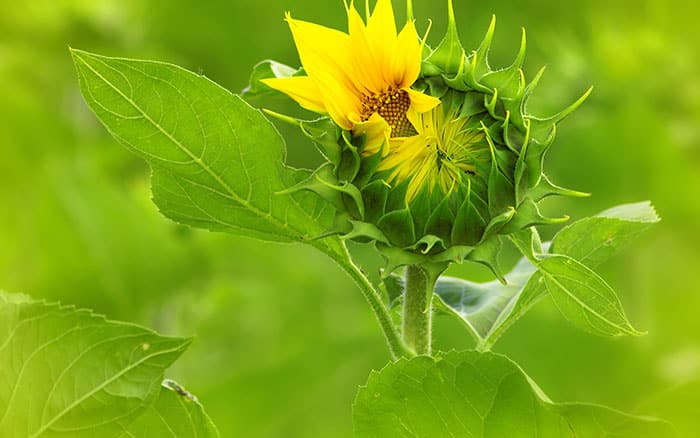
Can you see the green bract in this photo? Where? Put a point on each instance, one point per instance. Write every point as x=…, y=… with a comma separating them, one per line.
x=498, y=196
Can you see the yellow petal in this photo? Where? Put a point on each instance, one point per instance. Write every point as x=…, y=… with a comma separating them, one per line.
x=420, y=103
x=302, y=89
x=406, y=59
x=326, y=57
x=381, y=24
x=321, y=49
x=367, y=68
x=340, y=104
x=381, y=32
x=376, y=131
x=404, y=156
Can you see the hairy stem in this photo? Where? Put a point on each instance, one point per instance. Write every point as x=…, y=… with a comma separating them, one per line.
x=397, y=348
x=418, y=308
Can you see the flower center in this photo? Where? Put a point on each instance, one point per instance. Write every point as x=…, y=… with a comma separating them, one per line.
x=447, y=151
x=392, y=105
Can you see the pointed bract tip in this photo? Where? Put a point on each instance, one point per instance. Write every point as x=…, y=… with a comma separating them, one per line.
x=452, y=22
x=571, y=108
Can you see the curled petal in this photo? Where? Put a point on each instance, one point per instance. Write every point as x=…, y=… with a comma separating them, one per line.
x=376, y=131
x=302, y=89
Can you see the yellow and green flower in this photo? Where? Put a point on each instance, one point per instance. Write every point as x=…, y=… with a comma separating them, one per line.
x=432, y=154
x=362, y=79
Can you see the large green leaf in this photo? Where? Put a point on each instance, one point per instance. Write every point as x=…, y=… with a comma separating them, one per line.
x=489, y=309
x=594, y=239
x=217, y=162
x=176, y=413
x=68, y=372
x=470, y=394
x=584, y=298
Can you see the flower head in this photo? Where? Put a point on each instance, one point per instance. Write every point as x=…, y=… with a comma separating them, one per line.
x=437, y=157
x=361, y=79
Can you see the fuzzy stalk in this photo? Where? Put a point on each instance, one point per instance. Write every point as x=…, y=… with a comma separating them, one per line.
x=418, y=309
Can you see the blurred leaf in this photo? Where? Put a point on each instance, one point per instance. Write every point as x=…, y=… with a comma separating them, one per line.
x=68, y=371
x=584, y=298
x=217, y=163
x=679, y=405
x=479, y=394
x=594, y=239
x=175, y=413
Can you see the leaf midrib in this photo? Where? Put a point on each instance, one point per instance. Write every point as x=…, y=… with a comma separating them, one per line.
x=99, y=388
x=195, y=159
x=605, y=320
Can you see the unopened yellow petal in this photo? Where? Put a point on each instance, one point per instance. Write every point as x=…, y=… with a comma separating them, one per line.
x=302, y=89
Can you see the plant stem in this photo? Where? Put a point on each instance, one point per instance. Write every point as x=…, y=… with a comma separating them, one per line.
x=418, y=308
x=397, y=348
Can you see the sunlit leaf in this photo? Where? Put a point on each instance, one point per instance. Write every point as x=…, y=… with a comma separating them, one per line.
x=470, y=394
x=584, y=298
x=217, y=163
x=489, y=309
x=69, y=372
x=176, y=413
x=594, y=239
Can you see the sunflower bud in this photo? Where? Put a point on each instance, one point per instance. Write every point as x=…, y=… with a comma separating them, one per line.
x=432, y=156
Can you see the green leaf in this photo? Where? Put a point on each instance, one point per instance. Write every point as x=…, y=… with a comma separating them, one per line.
x=217, y=162
x=176, y=413
x=490, y=309
x=593, y=240
x=470, y=394
x=584, y=298
x=266, y=70
x=482, y=306
x=69, y=372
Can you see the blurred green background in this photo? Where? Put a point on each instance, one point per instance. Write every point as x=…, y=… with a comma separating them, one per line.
x=283, y=339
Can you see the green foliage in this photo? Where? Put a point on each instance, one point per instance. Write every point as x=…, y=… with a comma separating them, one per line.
x=583, y=297
x=176, y=413
x=77, y=223
x=69, y=371
x=594, y=239
x=505, y=143
x=479, y=394
x=489, y=309
x=217, y=163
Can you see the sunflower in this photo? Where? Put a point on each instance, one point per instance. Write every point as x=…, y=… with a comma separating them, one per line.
x=361, y=79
